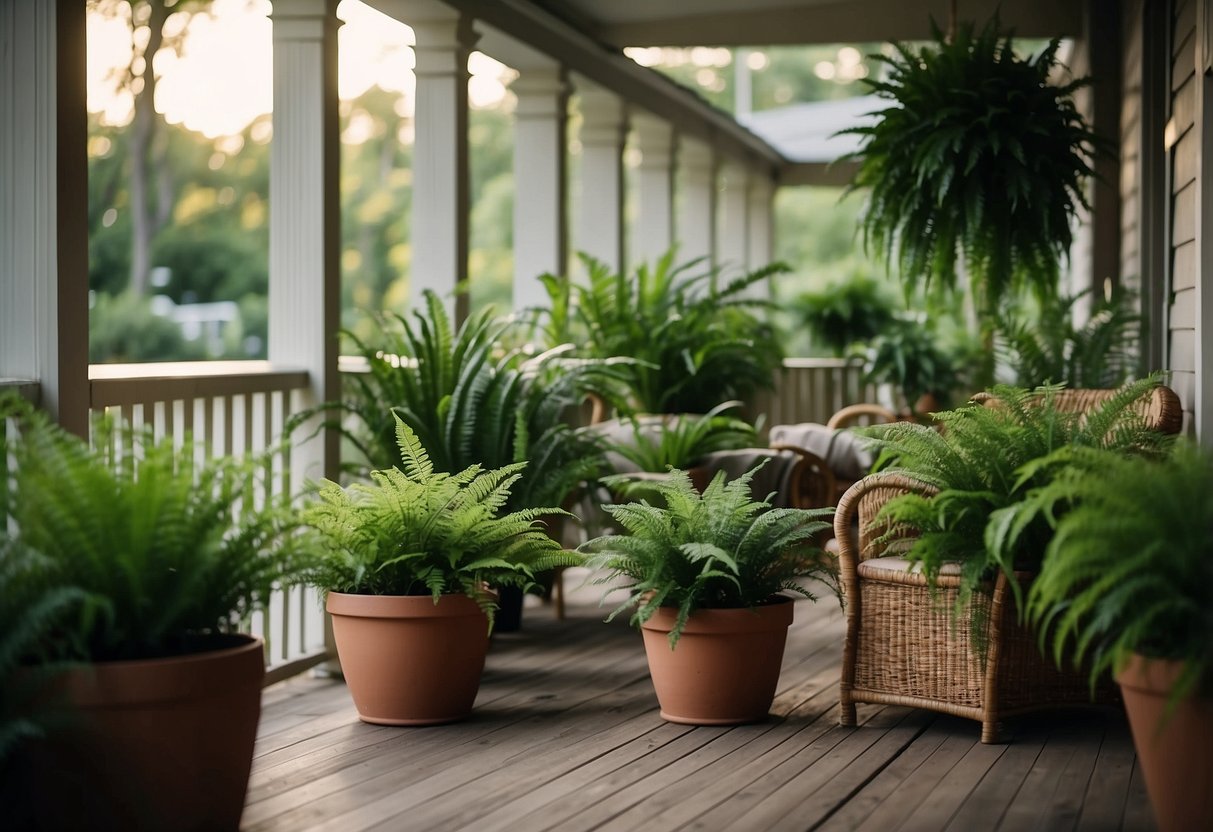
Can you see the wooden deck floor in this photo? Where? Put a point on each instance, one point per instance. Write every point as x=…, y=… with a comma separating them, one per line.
x=566, y=736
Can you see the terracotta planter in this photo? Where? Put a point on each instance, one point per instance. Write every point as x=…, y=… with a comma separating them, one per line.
x=157, y=744
x=407, y=660
x=1176, y=750
x=725, y=667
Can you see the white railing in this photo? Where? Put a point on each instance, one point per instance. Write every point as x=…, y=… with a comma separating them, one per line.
x=813, y=389
x=233, y=408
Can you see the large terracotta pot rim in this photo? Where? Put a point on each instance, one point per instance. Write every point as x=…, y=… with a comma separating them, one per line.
x=1150, y=675
x=402, y=606
x=162, y=679
x=777, y=612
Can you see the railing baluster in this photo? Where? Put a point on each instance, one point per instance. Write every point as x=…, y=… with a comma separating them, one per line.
x=229, y=410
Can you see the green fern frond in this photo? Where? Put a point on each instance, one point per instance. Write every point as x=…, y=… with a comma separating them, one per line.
x=718, y=549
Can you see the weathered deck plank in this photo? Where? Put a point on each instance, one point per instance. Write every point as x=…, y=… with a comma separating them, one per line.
x=566, y=736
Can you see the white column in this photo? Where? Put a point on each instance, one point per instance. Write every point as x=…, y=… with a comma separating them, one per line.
x=695, y=224
x=540, y=160
x=440, y=158
x=44, y=204
x=600, y=215
x=760, y=251
x=733, y=232
x=305, y=213
x=655, y=183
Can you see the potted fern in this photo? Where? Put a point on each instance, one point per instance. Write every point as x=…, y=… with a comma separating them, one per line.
x=706, y=574
x=162, y=560
x=985, y=464
x=1127, y=584
x=658, y=442
x=472, y=401
x=691, y=339
x=405, y=561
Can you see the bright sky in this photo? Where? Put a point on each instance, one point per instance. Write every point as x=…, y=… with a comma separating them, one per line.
x=222, y=80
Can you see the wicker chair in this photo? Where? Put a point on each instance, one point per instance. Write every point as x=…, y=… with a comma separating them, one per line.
x=1161, y=410
x=903, y=646
x=861, y=414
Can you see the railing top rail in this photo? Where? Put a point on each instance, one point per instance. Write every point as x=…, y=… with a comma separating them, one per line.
x=121, y=384
x=821, y=363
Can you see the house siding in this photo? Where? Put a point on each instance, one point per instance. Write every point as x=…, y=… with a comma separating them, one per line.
x=1184, y=163
x=1130, y=149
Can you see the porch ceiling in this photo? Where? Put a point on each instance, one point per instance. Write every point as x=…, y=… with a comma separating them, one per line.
x=623, y=23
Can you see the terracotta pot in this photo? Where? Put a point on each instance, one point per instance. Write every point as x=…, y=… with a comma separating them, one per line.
x=1176, y=749
x=157, y=744
x=725, y=666
x=407, y=660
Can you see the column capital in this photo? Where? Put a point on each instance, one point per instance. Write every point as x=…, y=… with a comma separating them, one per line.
x=541, y=93
x=655, y=138
x=303, y=20
x=604, y=117
x=442, y=46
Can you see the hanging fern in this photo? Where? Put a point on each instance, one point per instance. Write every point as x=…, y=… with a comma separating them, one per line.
x=415, y=530
x=978, y=154
x=1128, y=569
x=716, y=550
x=170, y=548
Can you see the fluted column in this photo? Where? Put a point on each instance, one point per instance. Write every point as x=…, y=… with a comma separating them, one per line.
x=732, y=242
x=441, y=202
x=540, y=161
x=305, y=213
x=44, y=204
x=695, y=223
x=600, y=216
x=655, y=185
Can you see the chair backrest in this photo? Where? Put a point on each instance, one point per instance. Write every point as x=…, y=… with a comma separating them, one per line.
x=861, y=414
x=1161, y=410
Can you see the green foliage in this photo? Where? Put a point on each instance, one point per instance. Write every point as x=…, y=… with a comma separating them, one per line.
x=416, y=531
x=985, y=463
x=34, y=615
x=695, y=343
x=717, y=550
x=1128, y=569
x=1044, y=346
x=470, y=402
x=846, y=312
x=977, y=153
x=171, y=548
x=681, y=440
x=909, y=355
x=123, y=328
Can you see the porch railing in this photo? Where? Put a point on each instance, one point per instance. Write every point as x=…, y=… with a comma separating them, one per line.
x=813, y=389
x=241, y=407
x=234, y=408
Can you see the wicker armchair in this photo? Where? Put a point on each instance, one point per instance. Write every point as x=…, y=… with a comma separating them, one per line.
x=903, y=646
